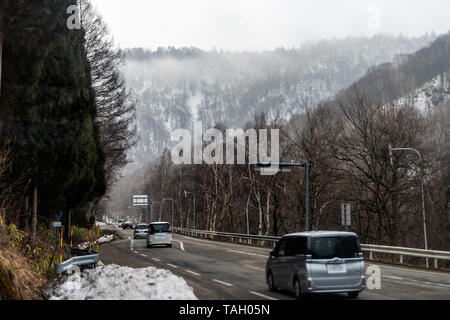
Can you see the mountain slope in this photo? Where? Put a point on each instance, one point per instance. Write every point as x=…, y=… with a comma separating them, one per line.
x=174, y=87
x=421, y=78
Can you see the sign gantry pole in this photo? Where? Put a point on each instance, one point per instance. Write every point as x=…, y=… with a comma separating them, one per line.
x=268, y=168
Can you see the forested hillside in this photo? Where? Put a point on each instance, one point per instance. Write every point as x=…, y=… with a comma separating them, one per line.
x=174, y=87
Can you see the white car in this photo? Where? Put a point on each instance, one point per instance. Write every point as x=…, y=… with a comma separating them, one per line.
x=159, y=233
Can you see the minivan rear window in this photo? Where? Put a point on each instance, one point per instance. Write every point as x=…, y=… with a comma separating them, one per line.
x=334, y=247
x=157, y=228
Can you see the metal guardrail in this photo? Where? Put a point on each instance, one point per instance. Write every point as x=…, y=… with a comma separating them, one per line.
x=369, y=248
x=89, y=260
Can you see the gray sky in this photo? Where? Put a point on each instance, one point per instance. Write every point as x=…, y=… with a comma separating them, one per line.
x=264, y=24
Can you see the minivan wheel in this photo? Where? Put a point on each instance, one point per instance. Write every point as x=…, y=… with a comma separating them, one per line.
x=353, y=294
x=270, y=281
x=297, y=289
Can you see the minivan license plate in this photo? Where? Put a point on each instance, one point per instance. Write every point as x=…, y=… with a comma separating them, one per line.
x=333, y=268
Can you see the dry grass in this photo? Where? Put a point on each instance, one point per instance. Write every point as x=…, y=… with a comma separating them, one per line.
x=18, y=280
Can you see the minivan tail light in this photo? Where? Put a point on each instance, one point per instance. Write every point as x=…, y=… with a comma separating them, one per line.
x=309, y=284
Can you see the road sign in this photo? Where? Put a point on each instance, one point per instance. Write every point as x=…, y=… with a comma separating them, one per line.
x=346, y=214
x=57, y=224
x=272, y=170
x=140, y=200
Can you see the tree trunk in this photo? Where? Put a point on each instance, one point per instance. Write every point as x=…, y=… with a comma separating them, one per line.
x=3, y=7
x=25, y=216
x=269, y=193
x=34, y=218
x=1, y=51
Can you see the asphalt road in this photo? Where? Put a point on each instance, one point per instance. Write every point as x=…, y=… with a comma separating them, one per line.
x=224, y=271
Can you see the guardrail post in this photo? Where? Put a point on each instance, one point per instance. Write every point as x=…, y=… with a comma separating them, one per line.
x=370, y=255
x=435, y=263
x=401, y=259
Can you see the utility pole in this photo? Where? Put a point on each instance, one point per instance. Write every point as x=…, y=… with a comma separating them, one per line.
x=423, y=195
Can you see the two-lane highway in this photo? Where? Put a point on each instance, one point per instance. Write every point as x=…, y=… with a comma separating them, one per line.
x=218, y=270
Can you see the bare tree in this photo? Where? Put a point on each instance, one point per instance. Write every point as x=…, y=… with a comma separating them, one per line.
x=116, y=109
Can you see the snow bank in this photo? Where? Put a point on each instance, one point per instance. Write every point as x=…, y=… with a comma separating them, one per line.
x=104, y=239
x=113, y=282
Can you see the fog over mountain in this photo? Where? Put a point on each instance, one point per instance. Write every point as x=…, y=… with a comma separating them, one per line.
x=174, y=87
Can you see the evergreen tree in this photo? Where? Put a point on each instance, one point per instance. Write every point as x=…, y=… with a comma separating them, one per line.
x=48, y=107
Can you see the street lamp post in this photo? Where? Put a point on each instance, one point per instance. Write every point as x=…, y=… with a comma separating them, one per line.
x=423, y=196
x=166, y=199
x=185, y=194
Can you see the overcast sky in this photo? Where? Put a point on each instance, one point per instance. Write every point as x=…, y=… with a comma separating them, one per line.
x=264, y=24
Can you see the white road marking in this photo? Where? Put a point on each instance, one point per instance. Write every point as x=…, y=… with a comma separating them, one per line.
x=135, y=252
x=409, y=269
x=192, y=272
x=262, y=295
x=143, y=255
x=419, y=281
x=100, y=263
x=248, y=253
x=156, y=259
x=213, y=243
x=224, y=283
x=392, y=277
x=171, y=265
x=431, y=283
x=181, y=245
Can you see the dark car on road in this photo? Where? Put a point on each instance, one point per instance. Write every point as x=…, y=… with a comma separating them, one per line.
x=141, y=231
x=127, y=225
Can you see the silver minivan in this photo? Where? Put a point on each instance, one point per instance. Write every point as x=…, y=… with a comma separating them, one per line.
x=159, y=233
x=317, y=262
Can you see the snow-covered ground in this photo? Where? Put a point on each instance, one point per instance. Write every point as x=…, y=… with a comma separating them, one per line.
x=104, y=239
x=113, y=282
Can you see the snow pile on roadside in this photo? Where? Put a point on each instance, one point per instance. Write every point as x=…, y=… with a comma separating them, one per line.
x=104, y=239
x=113, y=282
